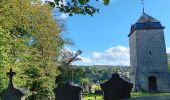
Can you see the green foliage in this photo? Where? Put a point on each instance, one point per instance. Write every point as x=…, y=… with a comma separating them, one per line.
x=30, y=43
x=169, y=66
x=106, y=2
x=68, y=72
x=86, y=74
x=99, y=74
x=82, y=2
x=85, y=81
x=168, y=57
x=64, y=76
x=168, y=62
x=4, y=50
x=77, y=6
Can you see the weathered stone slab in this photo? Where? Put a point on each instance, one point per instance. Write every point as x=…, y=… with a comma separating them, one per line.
x=69, y=91
x=116, y=88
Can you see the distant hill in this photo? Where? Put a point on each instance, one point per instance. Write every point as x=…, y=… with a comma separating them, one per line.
x=122, y=70
x=101, y=66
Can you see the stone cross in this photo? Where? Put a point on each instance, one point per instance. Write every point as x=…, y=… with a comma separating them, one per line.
x=11, y=74
x=11, y=93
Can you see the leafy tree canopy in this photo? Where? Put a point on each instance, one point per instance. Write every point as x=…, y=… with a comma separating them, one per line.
x=30, y=43
x=71, y=7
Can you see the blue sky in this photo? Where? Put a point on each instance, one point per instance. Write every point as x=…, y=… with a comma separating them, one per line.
x=103, y=37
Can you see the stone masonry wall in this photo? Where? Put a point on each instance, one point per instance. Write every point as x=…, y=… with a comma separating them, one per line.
x=148, y=58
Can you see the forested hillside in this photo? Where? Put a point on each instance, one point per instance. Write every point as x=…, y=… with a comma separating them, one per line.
x=96, y=73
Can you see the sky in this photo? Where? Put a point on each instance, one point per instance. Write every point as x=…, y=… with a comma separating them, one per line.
x=103, y=37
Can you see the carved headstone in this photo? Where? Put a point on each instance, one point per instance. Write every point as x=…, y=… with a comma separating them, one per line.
x=11, y=93
x=116, y=88
x=69, y=91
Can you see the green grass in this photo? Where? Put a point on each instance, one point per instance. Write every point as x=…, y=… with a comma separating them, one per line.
x=92, y=97
x=135, y=94
x=142, y=94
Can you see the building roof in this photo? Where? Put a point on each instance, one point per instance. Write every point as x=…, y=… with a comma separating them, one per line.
x=145, y=22
x=146, y=18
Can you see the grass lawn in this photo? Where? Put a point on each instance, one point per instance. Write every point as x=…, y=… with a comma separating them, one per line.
x=138, y=94
x=92, y=97
x=141, y=94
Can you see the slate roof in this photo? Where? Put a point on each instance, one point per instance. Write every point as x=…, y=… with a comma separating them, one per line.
x=146, y=18
x=145, y=22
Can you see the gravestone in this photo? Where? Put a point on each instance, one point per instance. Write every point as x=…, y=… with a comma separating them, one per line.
x=11, y=93
x=116, y=88
x=69, y=91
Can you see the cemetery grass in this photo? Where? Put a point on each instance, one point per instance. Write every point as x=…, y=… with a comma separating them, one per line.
x=142, y=94
x=92, y=96
x=135, y=94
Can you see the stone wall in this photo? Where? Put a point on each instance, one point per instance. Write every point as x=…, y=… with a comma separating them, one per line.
x=133, y=59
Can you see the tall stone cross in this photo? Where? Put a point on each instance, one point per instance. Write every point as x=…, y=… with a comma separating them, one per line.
x=11, y=74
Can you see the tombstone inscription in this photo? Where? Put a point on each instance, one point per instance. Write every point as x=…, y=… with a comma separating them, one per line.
x=11, y=93
x=116, y=88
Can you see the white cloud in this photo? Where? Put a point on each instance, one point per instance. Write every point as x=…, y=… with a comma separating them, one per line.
x=85, y=59
x=114, y=53
x=168, y=50
x=64, y=16
x=118, y=55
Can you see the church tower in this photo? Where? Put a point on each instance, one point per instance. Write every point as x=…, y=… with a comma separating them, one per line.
x=148, y=58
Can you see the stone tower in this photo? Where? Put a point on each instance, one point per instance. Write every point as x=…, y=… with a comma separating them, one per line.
x=148, y=58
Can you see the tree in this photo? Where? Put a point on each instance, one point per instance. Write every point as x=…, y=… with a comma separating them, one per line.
x=66, y=70
x=168, y=56
x=85, y=83
x=30, y=44
x=77, y=6
x=168, y=62
x=169, y=66
x=4, y=47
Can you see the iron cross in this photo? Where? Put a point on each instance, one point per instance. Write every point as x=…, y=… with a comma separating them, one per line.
x=11, y=74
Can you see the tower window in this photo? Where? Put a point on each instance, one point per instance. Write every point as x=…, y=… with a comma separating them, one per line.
x=150, y=52
x=149, y=39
